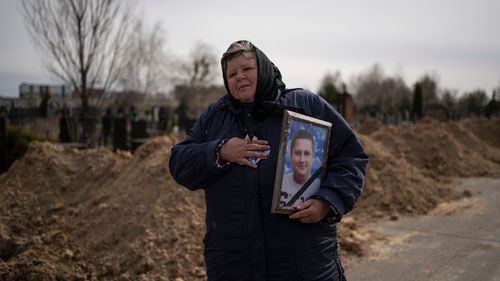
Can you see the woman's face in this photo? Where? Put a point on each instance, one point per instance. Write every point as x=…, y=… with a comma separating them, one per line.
x=241, y=75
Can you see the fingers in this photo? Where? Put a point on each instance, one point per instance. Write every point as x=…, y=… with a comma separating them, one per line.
x=248, y=163
x=306, y=204
x=254, y=146
x=311, y=211
x=305, y=216
x=255, y=154
x=263, y=142
x=237, y=150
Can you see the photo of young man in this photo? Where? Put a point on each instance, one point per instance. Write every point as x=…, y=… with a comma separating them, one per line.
x=302, y=156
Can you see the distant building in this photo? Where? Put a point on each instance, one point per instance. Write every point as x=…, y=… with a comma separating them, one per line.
x=343, y=102
x=8, y=102
x=31, y=95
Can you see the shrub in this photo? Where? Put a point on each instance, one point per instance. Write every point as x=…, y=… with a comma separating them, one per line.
x=17, y=143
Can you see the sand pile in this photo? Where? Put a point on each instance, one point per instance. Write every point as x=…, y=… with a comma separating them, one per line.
x=95, y=215
x=410, y=167
x=393, y=187
x=369, y=126
x=488, y=132
x=445, y=149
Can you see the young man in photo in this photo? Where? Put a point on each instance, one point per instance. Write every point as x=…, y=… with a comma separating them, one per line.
x=302, y=155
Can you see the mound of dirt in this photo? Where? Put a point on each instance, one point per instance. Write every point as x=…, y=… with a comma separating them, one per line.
x=410, y=167
x=92, y=214
x=444, y=149
x=369, y=126
x=487, y=130
x=69, y=214
x=393, y=188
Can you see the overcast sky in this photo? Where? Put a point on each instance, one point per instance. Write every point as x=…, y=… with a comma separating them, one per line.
x=458, y=40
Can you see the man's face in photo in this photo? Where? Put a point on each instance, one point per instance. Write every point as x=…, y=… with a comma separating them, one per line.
x=302, y=158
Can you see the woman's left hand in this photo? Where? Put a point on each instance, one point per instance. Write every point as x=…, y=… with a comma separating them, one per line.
x=311, y=211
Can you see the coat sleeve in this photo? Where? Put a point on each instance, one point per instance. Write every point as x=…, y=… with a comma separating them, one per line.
x=193, y=161
x=346, y=165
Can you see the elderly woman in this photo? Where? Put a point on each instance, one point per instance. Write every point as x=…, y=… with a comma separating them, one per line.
x=231, y=152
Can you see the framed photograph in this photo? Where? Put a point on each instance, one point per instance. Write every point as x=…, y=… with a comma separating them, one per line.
x=302, y=159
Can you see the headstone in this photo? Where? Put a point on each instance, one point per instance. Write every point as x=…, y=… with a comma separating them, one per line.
x=120, y=133
x=162, y=118
x=64, y=134
x=107, y=126
x=138, y=133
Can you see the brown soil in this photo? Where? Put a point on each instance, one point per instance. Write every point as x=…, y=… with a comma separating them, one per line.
x=69, y=214
x=455, y=149
x=95, y=215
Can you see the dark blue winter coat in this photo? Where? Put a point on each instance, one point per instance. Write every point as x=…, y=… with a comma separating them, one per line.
x=244, y=240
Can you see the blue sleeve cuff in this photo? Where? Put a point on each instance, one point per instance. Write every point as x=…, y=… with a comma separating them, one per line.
x=335, y=201
x=214, y=164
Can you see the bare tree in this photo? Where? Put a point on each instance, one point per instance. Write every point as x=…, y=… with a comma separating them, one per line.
x=450, y=101
x=379, y=95
x=496, y=92
x=146, y=61
x=82, y=43
x=472, y=103
x=430, y=85
x=201, y=68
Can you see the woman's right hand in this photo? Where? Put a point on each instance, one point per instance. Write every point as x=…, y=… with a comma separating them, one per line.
x=238, y=151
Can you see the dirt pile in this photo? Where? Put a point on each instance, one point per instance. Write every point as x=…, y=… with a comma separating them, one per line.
x=393, y=187
x=488, y=132
x=454, y=149
x=410, y=167
x=95, y=215
x=369, y=126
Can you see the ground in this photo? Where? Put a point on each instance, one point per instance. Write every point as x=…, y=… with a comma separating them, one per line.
x=457, y=241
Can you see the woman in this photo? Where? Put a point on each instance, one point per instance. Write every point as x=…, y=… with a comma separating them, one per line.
x=231, y=152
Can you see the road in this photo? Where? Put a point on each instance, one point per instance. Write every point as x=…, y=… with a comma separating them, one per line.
x=458, y=241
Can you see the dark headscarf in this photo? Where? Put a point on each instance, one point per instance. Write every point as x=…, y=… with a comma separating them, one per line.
x=269, y=84
x=268, y=79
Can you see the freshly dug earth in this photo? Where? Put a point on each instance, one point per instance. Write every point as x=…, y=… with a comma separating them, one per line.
x=95, y=215
x=69, y=214
x=459, y=149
